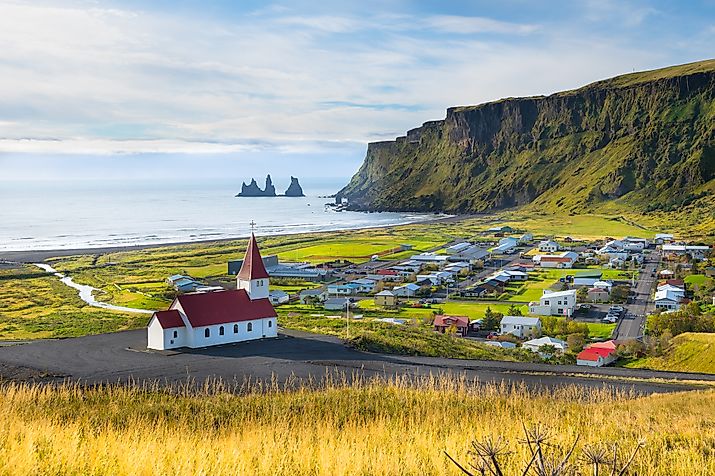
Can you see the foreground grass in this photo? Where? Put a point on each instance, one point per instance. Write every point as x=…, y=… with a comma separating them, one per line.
x=689, y=352
x=34, y=305
x=396, y=428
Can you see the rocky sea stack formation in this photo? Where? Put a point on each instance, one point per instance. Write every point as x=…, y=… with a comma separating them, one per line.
x=253, y=190
x=642, y=141
x=294, y=190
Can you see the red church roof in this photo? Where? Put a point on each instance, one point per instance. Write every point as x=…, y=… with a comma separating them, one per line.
x=221, y=307
x=169, y=319
x=252, y=267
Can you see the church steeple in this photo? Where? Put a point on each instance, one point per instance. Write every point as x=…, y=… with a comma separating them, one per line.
x=253, y=276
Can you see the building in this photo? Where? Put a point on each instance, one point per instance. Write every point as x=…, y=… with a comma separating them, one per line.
x=562, y=260
x=661, y=238
x=385, y=299
x=506, y=245
x=503, y=345
x=554, y=303
x=549, y=246
x=520, y=326
x=535, y=345
x=408, y=290
x=443, y=322
x=697, y=252
x=472, y=255
x=587, y=278
x=669, y=297
x=599, y=295
x=276, y=269
x=278, y=296
x=458, y=248
x=526, y=238
x=222, y=317
x=309, y=295
x=598, y=354
x=337, y=304
x=365, y=285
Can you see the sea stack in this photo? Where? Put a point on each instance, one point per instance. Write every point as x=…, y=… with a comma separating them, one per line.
x=294, y=190
x=253, y=190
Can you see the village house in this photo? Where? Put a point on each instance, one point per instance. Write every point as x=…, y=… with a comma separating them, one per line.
x=520, y=326
x=562, y=260
x=599, y=295
x=587, y=277
x=598, y=354
x=337, y=304
x=309, y=295
x=407, y=290
x=697, y=252
x=661, y=238
x=669, y=297
x=549, y=246
x=385, y=299
x=348, y=289
x=442, y=323
x=221, y=317
x=535, y=345
x=554, y=303
x=278, y=296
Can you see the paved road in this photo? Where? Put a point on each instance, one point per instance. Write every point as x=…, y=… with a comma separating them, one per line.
x=118, y=357
x=631, y=326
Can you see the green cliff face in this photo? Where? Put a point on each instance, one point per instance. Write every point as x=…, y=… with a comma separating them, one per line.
x=645, y=141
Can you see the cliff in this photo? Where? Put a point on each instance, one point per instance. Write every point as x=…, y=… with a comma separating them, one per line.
x=253, y=190
x=645, y=141
x=294, y=189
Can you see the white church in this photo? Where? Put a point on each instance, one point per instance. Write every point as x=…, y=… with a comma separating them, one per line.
x=219, y=317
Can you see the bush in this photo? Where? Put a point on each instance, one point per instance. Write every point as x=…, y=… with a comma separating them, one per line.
x=689, y=319
x=561, y=328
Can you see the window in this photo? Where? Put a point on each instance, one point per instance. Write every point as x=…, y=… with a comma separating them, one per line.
x=220, y=331
x=249, y=327
x=546, y=303
x=176, y=334
x=270, y=323
x=235, y=328
x=207, y=333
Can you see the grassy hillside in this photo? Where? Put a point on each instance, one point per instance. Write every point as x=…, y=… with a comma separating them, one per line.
x=399, y=428
x=642, y=143
x=689, y=352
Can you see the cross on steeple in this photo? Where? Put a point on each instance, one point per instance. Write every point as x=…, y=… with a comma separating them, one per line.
x=253, y=225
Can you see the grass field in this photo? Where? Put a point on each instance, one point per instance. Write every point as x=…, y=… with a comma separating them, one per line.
x=695, y=279
x=577, y=226
x=395, y=428
x=689, y=352
x=35, y=305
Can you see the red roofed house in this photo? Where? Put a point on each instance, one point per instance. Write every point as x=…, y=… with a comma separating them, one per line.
x=220, y=317
x=598, y=354
x=460, y=323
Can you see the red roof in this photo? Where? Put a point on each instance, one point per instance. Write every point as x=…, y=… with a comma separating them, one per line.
x=609, y=344
x=169, y=319
x=593, y=353
x=252, y=267
x=387, y=272
x=221, y=307
x=458, y=321
x=675, y=282
x=556, y=259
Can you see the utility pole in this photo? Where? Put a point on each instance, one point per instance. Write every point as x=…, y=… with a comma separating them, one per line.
x=347, y=318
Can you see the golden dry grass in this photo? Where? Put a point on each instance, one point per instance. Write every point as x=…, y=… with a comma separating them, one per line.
x=372, y=428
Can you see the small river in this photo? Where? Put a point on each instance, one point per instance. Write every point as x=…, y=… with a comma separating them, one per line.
x=85, y=292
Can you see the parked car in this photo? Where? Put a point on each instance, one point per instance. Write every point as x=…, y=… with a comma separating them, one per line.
x=492, y=335
x=617, y=309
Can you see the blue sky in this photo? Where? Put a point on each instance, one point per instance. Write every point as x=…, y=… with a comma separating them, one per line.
x=199, y=88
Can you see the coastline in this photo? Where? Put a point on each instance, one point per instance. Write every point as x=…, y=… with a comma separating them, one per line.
x=36, y=256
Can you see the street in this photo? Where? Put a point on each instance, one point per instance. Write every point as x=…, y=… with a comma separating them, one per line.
x=639, y=305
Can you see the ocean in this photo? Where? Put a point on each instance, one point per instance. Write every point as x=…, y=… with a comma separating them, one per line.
x=88, y=214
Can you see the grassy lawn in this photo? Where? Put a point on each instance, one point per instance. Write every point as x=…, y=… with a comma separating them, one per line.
x=689, y=352
x=598, y=330
x=695, y=279
x=577, y=226
x=36, y=305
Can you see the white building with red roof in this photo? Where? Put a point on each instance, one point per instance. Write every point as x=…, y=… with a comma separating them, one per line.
x=221, y=317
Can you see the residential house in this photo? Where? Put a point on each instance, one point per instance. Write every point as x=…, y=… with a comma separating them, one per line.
x=385, y=299
x=389, y=275
x=587, y=277
x=429, y=258
x=309, y=295
x=503, y=345
x=661, y=238
x=526, y=238
x=521, y=326
x=505, y=245
x=278, y=296
x=337, y=304
x=669, y=297
x=458, y=248
x=365, y=285
x=535, y=345
x=348, y=289
x=407, y=290
x=562, y=260
x=697, y=252
x=554, y=303
x=444, y=322
x=549, y=246
x=472, y=255
x=598, y=354
x=475, y=291
x=599, y=295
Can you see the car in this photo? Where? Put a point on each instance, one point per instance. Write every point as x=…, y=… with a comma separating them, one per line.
x=492, y=335
x=585, y=306
x=616, y=309
x=610, y=319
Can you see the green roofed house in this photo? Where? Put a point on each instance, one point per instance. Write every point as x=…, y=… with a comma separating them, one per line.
x=587, y=277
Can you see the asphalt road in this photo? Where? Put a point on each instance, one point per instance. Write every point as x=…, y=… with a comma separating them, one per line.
x=120, y=358
x=631, y=326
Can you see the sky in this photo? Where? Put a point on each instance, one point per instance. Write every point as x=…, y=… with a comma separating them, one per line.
x=201, y=89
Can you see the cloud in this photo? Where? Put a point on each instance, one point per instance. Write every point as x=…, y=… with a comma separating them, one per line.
x=471, y=25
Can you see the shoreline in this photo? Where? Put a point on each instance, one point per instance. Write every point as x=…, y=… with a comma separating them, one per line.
x=36, y=256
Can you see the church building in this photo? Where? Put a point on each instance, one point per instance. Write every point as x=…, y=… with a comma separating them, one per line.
x=220, y=317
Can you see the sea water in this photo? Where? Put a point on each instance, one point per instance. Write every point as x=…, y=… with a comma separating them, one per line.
x=90, y=214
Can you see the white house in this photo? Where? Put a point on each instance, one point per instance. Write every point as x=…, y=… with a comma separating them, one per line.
x=407, y=290
x=278, y=296
x=549, y=246
x=563, y=260
x=520, y=326
x=554, y=303
x=661, y=238
x=458, y=248
x=222, y=317
x=534, y=345
x=698, y=252
x=669, y=297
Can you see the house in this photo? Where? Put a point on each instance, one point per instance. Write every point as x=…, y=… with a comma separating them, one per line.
x=562, y=260
x=697, y=252
x=505, y=245
x=475, y=291
x=429, y=258
x=503, y=345
x=458, y=248
x=443, y=322
x=587, y=277
x=521, y=326
x=186, y=285
x=385, y=299
x=471, y=255
x=516, y=275
x=337, y=304
x=389, y=275
x=365, y=285
x=666, y=274
x=669, y=298
x=278, y=296
x=549, y=246
x=535, y=345
x=501, y=229
x=222, y=317
x=597, y=355
x=348, y=289
x=599, y=295
x=526, y=238
x=661, y=238
x=554, y=303
x=407, y=290
x=308, y=295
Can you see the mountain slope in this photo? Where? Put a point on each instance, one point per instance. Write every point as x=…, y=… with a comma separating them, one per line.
x=645, y=141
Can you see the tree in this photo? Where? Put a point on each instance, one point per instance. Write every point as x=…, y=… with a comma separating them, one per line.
x=515, y=310
x=619, y=294
x=547, y=350
x=492, y=320
x=575, y=342
x=582, y=294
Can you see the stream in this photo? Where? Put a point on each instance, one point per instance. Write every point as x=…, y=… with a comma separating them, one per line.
x=85, y=292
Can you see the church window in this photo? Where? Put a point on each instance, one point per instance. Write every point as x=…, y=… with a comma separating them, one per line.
x=176, y=334
x=207, y=333
x=220, y=331
x=235, y=328
x=270, y=323
x=250, y=327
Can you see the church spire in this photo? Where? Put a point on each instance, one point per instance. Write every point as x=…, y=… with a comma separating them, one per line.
x=252, y=267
